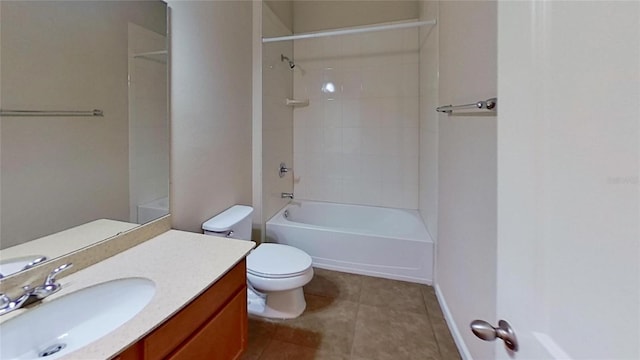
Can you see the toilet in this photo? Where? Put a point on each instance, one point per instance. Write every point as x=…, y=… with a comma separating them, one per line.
x=276, y=273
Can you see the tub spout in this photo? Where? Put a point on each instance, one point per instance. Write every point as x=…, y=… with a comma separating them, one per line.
x=287, y=196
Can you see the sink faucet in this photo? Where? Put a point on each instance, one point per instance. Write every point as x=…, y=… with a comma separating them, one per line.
x=34, y=262
x=31, y=264
x=31, y=295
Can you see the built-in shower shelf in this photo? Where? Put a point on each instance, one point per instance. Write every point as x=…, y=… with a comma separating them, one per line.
x=296, y=103
x=155, y=56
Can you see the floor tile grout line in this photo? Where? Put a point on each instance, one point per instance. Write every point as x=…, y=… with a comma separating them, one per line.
x=355, y=330
x=355, y=323
x=433, y=329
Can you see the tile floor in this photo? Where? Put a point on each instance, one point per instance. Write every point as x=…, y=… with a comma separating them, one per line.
x=354, y=317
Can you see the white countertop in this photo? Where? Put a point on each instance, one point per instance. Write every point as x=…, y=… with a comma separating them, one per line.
x=181, y=264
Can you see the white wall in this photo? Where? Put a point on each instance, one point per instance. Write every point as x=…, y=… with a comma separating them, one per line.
x=211, y=108
x=330, y=14
x=467, y=220
x=358, y=144
x=277, y=119
x=569, y=160
x=428, y=196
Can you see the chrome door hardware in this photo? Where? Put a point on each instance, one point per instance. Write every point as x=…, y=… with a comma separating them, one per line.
x=485, y=331
x=283, y=169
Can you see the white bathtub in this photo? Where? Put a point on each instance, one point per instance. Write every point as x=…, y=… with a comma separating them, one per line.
x=375, y=241
x=153, y=210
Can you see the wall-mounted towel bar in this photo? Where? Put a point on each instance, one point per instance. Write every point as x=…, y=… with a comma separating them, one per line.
x=94, y=112
x=295, y=103
x=155, y=56
x=489, y=104
x=151, y=53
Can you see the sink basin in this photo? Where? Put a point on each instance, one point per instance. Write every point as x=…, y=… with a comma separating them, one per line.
x=56, y=328
x=13, y=265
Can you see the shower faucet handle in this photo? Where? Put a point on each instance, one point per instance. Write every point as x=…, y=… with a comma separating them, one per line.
x=283, y=169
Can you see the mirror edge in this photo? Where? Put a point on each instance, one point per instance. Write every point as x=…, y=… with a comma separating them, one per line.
x=105, y=248
x=89, y=255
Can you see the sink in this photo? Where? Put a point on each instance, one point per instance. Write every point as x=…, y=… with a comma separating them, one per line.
x=13, y=265
x=56, y=328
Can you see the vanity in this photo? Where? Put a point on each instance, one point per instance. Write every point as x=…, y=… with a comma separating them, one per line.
x=198, y=310
x=213, y=326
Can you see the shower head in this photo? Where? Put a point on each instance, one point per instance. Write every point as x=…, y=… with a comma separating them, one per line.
x=291, y=63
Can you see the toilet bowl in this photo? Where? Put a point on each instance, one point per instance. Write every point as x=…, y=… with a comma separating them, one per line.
x=276, y=273
x=279, y=272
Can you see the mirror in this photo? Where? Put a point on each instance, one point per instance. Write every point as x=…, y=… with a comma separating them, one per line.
x=71, y=176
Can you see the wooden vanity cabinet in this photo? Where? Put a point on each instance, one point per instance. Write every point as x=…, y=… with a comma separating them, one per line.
x=212, y=327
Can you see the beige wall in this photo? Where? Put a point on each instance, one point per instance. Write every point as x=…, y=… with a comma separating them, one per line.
x=211, y=111
x=61, y=172
x=467, y=170
x=428, y=198
x=0, y=130
x=283, y=9
x=327, y=14
x=149, y=150
x=256, y=120
x=277, y=119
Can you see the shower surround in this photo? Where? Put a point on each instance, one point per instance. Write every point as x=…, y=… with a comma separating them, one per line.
x=358, y=140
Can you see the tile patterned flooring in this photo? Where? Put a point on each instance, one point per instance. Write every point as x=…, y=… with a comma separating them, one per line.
x=355, y=317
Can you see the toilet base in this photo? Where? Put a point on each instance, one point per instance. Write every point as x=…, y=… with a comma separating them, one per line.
x=287, y=304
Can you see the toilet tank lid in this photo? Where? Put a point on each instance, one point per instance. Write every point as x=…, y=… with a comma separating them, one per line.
x=228, y=218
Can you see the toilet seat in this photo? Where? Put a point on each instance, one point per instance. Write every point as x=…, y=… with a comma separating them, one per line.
x=277, y=261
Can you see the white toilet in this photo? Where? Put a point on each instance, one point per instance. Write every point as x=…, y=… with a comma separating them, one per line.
x=276, y=273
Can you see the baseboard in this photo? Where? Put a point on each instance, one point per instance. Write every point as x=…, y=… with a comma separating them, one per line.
x=455, y=332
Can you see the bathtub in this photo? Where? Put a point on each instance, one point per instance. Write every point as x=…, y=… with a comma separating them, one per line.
x=375, y=241
x=153, y=210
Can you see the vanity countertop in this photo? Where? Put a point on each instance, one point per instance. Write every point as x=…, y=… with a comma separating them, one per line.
x=181, y=264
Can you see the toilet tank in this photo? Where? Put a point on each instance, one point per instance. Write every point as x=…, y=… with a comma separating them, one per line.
x=236, y=218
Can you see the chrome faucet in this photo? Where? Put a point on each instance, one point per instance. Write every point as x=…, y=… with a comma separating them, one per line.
x=7, y=304
x=31, y=264
x=287, y=196
x=31, y=295
x=34, y=262
x=283, y=169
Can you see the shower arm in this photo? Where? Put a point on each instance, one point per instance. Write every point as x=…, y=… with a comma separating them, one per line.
x=291, y=63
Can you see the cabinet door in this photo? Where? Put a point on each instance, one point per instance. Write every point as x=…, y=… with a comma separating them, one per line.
x=182, y=326
x=134, y=352
x=222, y=338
